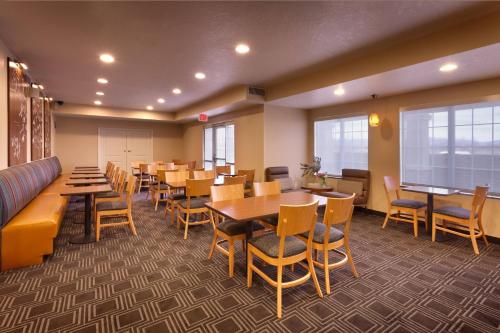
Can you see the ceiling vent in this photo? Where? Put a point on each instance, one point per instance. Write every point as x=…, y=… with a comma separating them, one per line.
x=254, y=91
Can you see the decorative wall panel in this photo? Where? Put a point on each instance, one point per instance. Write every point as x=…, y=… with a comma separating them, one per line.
x=17, y=116
x=46, y=129
x=37, y=128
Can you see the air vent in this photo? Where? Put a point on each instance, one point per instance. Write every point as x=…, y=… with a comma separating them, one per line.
x=256, y=91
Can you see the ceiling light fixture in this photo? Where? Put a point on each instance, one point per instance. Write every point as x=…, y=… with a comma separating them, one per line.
x=160, y=100
x=448, y=67
x=242, y=48
x=51, y=99
x=339, y=91
x=149, y=107
x=177, y=91
x=102, y=80
x=97, y=102
x=200, y=76
x=41, y=87
x=24, y=66
x=99, y=93
x=107, y=58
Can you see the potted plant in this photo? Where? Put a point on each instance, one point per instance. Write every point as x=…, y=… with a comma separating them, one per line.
x=313, y=170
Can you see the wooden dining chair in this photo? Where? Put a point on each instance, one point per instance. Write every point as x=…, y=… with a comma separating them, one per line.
x=283, y=248
x=228, y=230
x=135, y=167
x=144, y=176
x=181, y=167
x=327, y=237
x=108, y=168
x=250, y=176
x=159, y=189
x=203, y=174
x=197, y=194
x=112, y=171
x=174, y=195
x=403, y=210
x=169, y=166
x=115, y=195
x=264, y=189
x=113, y=209
x=222, y=169
x=191, y=165
x=465, y=223
x=228, y=180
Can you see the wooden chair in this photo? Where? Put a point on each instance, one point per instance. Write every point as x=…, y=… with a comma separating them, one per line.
x=268, y=188
x=134, y=165
x=463, y=221
x=410, y=211
x=174, y=196
x=109, y=165
x=159, y=188
x=228, y=180
x=282, y=249
x=328, y=238
x=250, y=174
x=112, y=171
x=116, y=209
x=222, y=169
x=203, y=174
x=115, y=195
x=197, y=193
x=181, y=167
x=191, y=165
x=169, y=166
x=144, y=177
x=229, y=231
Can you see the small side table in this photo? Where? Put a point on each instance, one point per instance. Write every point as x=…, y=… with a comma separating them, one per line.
x=317, y=189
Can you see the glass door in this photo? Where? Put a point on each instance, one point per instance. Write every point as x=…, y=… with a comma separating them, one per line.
x=218, y=147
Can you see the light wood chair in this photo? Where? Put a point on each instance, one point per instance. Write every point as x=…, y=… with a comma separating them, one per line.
x=191, y=165
x=144, y=177
x=268, y=188
x=406, y=210
x=228, y=180
x=134, y=165
x=250, y=174
x=181, y=167
x=197, y=194
x=169, y=166
x=118, y=186
x=159, y=188
x=328, y=238
x=463, y=221
x=222, y=169
x=203, y=174
x=283, y=248
x=229, y=231
x=174, y=195
x=112, y=171
x=109, y=165
x=116, y=209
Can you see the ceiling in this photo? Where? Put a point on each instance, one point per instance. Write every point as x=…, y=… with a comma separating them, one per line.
x=160, y=45
x=477, y=64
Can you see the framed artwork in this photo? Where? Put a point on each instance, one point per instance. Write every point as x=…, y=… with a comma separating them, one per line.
x=46, y=129
x=17, y=104
x=37, y=104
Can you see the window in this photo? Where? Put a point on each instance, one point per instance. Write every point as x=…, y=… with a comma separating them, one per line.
x=341, y=143
x=218, y=147
x=455, y=146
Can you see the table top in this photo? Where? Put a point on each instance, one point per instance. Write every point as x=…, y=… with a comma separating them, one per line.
x=430, y=190
x=87, y=172
x=82, y=190
x=318, y=188
x=182, y=183
x=86, y=175
x=86, y=167
x=259, y=207
x=87, y=181
x=227, y=174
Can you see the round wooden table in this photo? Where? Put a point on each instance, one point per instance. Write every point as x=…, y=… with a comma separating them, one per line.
x=317, y=189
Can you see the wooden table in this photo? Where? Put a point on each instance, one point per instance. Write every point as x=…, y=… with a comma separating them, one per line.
x=87, y=181
x=87, y=175
x=317, y=189
x=86, y=167
x=226, y=174
x=87, y=192
x=182, y=184
x=431, y=191
x=254, y=208
x=87, y=172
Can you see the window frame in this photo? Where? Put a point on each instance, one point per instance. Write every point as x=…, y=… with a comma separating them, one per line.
x=214, y=158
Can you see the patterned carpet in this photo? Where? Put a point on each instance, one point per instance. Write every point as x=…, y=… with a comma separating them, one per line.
x=157, y=282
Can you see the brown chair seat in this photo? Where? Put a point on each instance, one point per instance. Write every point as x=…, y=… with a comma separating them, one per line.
x=319, y=234
x=111, y=205
x=458, y=212
x=195, y=203
x=176, y=196
x=270, y=243
x=231, y=228
x=111, y=194
x=408, y=203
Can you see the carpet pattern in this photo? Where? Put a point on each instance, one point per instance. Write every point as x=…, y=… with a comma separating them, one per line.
x=157, y=282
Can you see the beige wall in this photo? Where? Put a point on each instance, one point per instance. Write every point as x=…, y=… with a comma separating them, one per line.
x=4, y=53
x=249, y=139
x=76, y=139
x=285, y=139
x=383, y=141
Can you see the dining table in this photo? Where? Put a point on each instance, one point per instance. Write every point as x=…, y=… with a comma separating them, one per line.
x=83, y=172
x=248, y=209
x=86, y=181
x=87, y=175
x=86, y=167
x=179, y=185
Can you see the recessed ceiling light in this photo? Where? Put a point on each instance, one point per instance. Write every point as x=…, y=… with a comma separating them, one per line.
x=102, y=80
x=242, y=48
x=24, y=66
x=339, y=91
x=51, y=99
x=107, y=58
x=97, y=102
x=149, y=107
x=160, y=100
x=448, y=67
x=176, y=91
x=41, y=87
x=99, y=93
x=200, y=76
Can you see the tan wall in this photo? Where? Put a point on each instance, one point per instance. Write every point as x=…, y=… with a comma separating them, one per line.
x=285, y=139
x=76, y=139
x=383, y=145
x=249, y=139
x=4, y=53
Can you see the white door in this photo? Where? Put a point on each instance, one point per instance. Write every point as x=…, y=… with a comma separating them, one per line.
x=139, y=146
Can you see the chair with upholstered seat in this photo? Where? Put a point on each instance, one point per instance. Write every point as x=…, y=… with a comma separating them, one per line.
x=228, y=180
x=222, y=169
x=268, y=188
x=134, y=166
x=406, y=210
x=159, y=189
x=203, y=174
x=174, y=195
x=230, y=231
x=284, y=248
x=329, y=238
x=466, y=223
x=115, y=209
x=116, y=194
x=197, y=194
x=144, y=177
x=250, y=176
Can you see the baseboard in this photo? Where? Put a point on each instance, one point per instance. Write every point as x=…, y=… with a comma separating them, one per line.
x=492, y=239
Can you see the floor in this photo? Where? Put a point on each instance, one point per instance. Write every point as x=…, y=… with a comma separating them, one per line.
x=157, y=282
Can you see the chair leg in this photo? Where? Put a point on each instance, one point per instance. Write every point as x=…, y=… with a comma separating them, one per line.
x=186, y=225
x=349, y=258
x=415, y=224
x=157, y=200
x=249, y=269
x=97, y=227
x=386, y=219
x=327, y=271
x=473, y=239
x=231, y=257
x=212, y=246
x=433, y=228
x=426, y=222
x=131, y=224
x=313, y=274
x=279, y=290
x=243, y=245
x=480, y=225
x=172, y=213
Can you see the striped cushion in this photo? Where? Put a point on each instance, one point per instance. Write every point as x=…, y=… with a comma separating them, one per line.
x=22, y=183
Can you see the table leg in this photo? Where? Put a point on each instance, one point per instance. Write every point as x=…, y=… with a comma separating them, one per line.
x=440, y=237
x=248, y=233
x=87, y=237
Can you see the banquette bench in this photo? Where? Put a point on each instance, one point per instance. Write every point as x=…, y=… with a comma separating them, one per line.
x=31, y=211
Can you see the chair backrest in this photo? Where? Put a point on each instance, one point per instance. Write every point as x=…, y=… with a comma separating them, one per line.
x=203, y=174
x=169, y=166
x=160, y=175
x=108, y=167
x=250, y=174
x=176, y=176
x=121, y=181
x=235, y=180
x=191, y=165
x=198, y=187
x=273, y=173
x=267, y=188
x=391, y=186
x=227, y=192
x=130, y=190
x=116, y=178
x=177, y=161
x=480, y=194
x=181, y=167
x=144, y=168
x=222, y=169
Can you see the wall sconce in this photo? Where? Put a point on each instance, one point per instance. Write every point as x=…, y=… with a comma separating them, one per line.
x=374, y=120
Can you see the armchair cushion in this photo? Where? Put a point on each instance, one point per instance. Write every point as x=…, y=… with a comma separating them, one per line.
x=195, y=203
